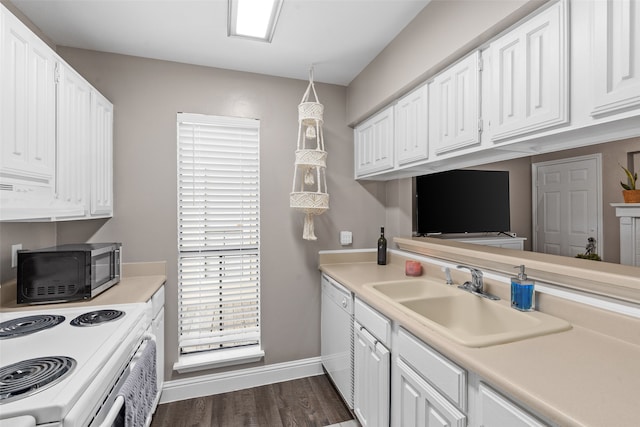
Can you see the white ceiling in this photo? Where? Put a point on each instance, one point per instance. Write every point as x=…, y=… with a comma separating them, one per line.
x=339, y=37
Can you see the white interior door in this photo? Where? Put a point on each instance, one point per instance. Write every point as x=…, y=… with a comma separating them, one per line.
x=567, y=205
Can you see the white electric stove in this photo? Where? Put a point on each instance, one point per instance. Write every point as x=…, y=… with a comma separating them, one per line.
x=84, y=362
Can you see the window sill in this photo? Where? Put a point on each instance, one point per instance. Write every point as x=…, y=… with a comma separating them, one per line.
x=217, y=359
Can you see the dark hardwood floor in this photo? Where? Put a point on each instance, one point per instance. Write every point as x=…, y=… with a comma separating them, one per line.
x=311, y=401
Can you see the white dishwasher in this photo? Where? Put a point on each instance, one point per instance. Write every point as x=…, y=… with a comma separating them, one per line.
x=336, y=331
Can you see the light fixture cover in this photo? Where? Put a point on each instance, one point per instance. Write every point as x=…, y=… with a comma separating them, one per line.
x=253, y=19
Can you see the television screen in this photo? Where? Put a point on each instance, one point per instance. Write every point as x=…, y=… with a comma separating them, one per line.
x=463, y=201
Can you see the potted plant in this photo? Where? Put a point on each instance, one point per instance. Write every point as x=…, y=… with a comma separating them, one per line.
x=629, y=192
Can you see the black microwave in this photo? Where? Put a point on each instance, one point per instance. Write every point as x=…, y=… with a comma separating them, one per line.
x=67, y=272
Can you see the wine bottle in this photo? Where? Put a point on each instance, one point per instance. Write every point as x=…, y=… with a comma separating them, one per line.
x=382, y=248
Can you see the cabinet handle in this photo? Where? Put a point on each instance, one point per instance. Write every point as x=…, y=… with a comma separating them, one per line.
x=344, y=302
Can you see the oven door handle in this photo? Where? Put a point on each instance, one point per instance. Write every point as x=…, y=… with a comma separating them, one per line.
x=113, y=412
x=119, y=401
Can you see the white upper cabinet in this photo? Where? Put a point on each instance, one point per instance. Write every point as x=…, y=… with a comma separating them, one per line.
x=616, y=59
x=454, y=111
x=528, y=67
x=374, y=144
x=56, y=134
x=27, y=104
x=101, y=155
x=74, y=122
x=411, y=127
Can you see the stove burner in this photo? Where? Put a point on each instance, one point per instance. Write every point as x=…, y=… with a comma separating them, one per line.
x=31, y=376
x=28, y=325
x=97, y=317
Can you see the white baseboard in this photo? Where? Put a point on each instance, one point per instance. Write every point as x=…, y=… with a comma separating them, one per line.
x=207, y=385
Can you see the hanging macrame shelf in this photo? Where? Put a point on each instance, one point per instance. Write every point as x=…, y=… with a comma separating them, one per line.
x=309, y=193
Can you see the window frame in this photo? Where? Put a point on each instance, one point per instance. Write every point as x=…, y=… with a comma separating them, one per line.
x=243, y=250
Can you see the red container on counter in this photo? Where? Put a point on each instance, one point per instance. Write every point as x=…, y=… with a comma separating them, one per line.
x=413, y=268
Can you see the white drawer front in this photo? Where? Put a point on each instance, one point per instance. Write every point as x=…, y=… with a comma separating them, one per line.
x=378, y=325
x=443, y=374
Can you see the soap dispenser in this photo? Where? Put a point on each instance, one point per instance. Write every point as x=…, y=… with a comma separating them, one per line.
x=522, y=292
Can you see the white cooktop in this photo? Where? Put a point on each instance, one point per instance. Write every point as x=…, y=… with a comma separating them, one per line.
x=92, y=347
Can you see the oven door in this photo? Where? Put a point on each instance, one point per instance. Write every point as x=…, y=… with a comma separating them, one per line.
x=112, y=412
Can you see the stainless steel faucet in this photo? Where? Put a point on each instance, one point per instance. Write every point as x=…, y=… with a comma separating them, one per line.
x=476, y=285
x=447, y=275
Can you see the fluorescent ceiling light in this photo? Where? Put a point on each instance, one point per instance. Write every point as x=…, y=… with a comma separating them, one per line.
x=253, y=19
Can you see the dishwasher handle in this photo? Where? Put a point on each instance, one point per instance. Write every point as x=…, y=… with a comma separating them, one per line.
x=338, y=294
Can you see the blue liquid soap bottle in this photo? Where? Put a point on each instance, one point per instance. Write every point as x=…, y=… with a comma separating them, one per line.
x=522, y=292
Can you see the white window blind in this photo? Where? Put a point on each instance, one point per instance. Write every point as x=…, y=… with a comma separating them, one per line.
x=218, y=233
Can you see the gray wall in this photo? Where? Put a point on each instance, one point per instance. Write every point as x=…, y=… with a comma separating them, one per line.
x=441, y=33
x=147, y=94
x=30, y=235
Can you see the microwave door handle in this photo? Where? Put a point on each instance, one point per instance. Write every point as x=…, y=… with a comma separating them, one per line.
x=117, y=265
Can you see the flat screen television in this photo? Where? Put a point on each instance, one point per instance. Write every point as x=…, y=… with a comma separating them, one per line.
x=463, y=201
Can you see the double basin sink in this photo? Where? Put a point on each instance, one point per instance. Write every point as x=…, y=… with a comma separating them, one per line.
x=468, y=319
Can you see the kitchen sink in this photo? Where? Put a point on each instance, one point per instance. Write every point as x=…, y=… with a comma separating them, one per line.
x=413, y=289
x=465, y=318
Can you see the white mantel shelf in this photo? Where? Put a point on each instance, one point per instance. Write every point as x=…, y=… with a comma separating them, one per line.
x=629, y=214
x=627, y=209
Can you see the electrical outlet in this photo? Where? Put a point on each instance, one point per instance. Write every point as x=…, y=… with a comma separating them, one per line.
x=346, y=238
x=14, y=254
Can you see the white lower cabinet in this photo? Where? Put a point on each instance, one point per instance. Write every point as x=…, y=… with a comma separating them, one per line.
x=371, y=379
x=495, y=410
x=417, y=403
x=372, y=366
x=427, y=388
x=400, y=381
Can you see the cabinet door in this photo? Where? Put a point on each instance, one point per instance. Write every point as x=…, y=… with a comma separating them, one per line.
x=27, y=103
x=616, y=55
x=411, y=130
x=74, y=121
x=496, y=411
x=101, y=155
x=417, y=404
x=374, y=144
x=455, y=111
x=371, y=379
x=529, y=76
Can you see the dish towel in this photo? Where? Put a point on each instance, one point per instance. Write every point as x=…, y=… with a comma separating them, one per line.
x=139, y=390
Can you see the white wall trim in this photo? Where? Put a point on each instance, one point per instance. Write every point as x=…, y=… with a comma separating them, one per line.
x=206, y=385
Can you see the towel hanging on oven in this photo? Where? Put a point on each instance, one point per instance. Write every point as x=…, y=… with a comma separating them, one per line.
x=140, y=388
